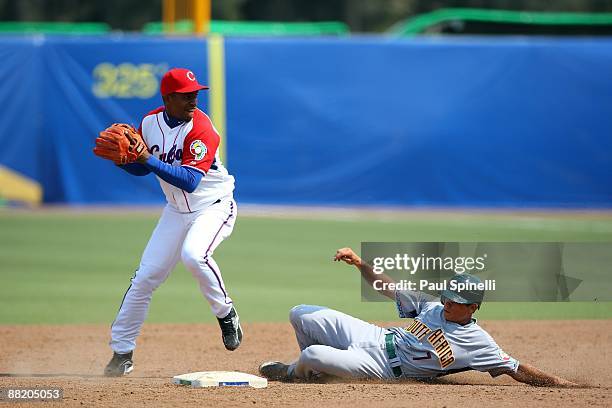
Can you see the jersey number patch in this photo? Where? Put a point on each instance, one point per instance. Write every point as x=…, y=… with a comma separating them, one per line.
x=427, y=356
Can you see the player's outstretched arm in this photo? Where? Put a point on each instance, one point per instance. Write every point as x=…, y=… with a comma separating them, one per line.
x=350, y=257
x=528, y=374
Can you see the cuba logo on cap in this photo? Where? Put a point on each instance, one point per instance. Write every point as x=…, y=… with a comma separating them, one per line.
x=198, y=149
x=190, y=76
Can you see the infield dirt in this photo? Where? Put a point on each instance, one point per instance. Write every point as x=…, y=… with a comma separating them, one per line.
x=73, y=357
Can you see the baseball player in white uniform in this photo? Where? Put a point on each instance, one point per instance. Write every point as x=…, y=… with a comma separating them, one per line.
x=200, y=213
x=442, y=339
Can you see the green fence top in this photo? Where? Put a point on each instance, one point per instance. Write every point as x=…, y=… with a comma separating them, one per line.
x=420, y=23
x=243, y=28
x=26, y=27
x=256, y=28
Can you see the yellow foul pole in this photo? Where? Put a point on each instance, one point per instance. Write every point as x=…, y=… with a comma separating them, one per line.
x=216, y=78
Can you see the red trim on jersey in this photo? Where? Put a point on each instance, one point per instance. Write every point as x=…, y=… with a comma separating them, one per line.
x=156, y=111
x=177, y=135
x=194, y=168
x=153, y=112
x=163, y=134
x=217, y=275
x=186, y=201
x=204, y=132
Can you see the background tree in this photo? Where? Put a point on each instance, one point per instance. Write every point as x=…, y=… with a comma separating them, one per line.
x=360, y=15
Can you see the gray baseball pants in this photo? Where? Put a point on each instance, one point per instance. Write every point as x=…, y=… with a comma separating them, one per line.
x=337, y=344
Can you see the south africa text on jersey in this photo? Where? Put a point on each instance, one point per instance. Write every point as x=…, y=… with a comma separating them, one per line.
x=437, y=340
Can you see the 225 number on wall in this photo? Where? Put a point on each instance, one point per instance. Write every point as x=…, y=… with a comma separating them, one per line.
x=127, y=80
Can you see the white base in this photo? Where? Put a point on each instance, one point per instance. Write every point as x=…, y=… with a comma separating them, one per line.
x=220, y=379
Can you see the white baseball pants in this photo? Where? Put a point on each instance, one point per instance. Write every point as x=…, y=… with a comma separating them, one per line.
x=337, y=344
x=190, y=237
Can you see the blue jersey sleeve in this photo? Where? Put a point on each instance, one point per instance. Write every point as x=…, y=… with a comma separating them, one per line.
x=135, y=169
x=179, y=176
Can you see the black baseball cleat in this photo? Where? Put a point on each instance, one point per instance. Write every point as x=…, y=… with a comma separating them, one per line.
x=275, y=371
x=231, y=332
x=120, y=364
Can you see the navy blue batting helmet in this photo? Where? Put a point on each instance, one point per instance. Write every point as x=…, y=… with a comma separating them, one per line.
x=463, y=288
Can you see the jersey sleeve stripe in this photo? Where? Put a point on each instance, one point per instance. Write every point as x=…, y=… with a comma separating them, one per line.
x=195, y=168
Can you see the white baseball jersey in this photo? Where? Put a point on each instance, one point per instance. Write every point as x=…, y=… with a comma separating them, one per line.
x=432, y=346
x=193, y=144
x=191, y=227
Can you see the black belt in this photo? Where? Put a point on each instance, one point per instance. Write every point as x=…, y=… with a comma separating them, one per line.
x=394, y=361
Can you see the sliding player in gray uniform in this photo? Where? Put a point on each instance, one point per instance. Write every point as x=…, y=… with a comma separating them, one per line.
x=442, y=339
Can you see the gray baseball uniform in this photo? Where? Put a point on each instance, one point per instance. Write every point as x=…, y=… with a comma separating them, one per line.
x=341, y=345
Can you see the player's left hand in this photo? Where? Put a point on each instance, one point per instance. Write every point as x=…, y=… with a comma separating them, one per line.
x=120, y=143
x=347, y=255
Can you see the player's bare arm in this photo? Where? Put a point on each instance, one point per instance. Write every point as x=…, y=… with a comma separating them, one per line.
x=528, y=374
x=350, y=257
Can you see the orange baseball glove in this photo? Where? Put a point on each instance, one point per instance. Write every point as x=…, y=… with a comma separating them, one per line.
x=120, y=143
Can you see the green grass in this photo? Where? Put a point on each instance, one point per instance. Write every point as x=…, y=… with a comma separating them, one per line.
x=74, y=268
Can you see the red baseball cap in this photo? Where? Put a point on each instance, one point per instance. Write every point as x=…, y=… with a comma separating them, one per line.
x=180, y=80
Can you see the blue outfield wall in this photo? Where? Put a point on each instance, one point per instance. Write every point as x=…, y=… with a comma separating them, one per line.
x=354, y=121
